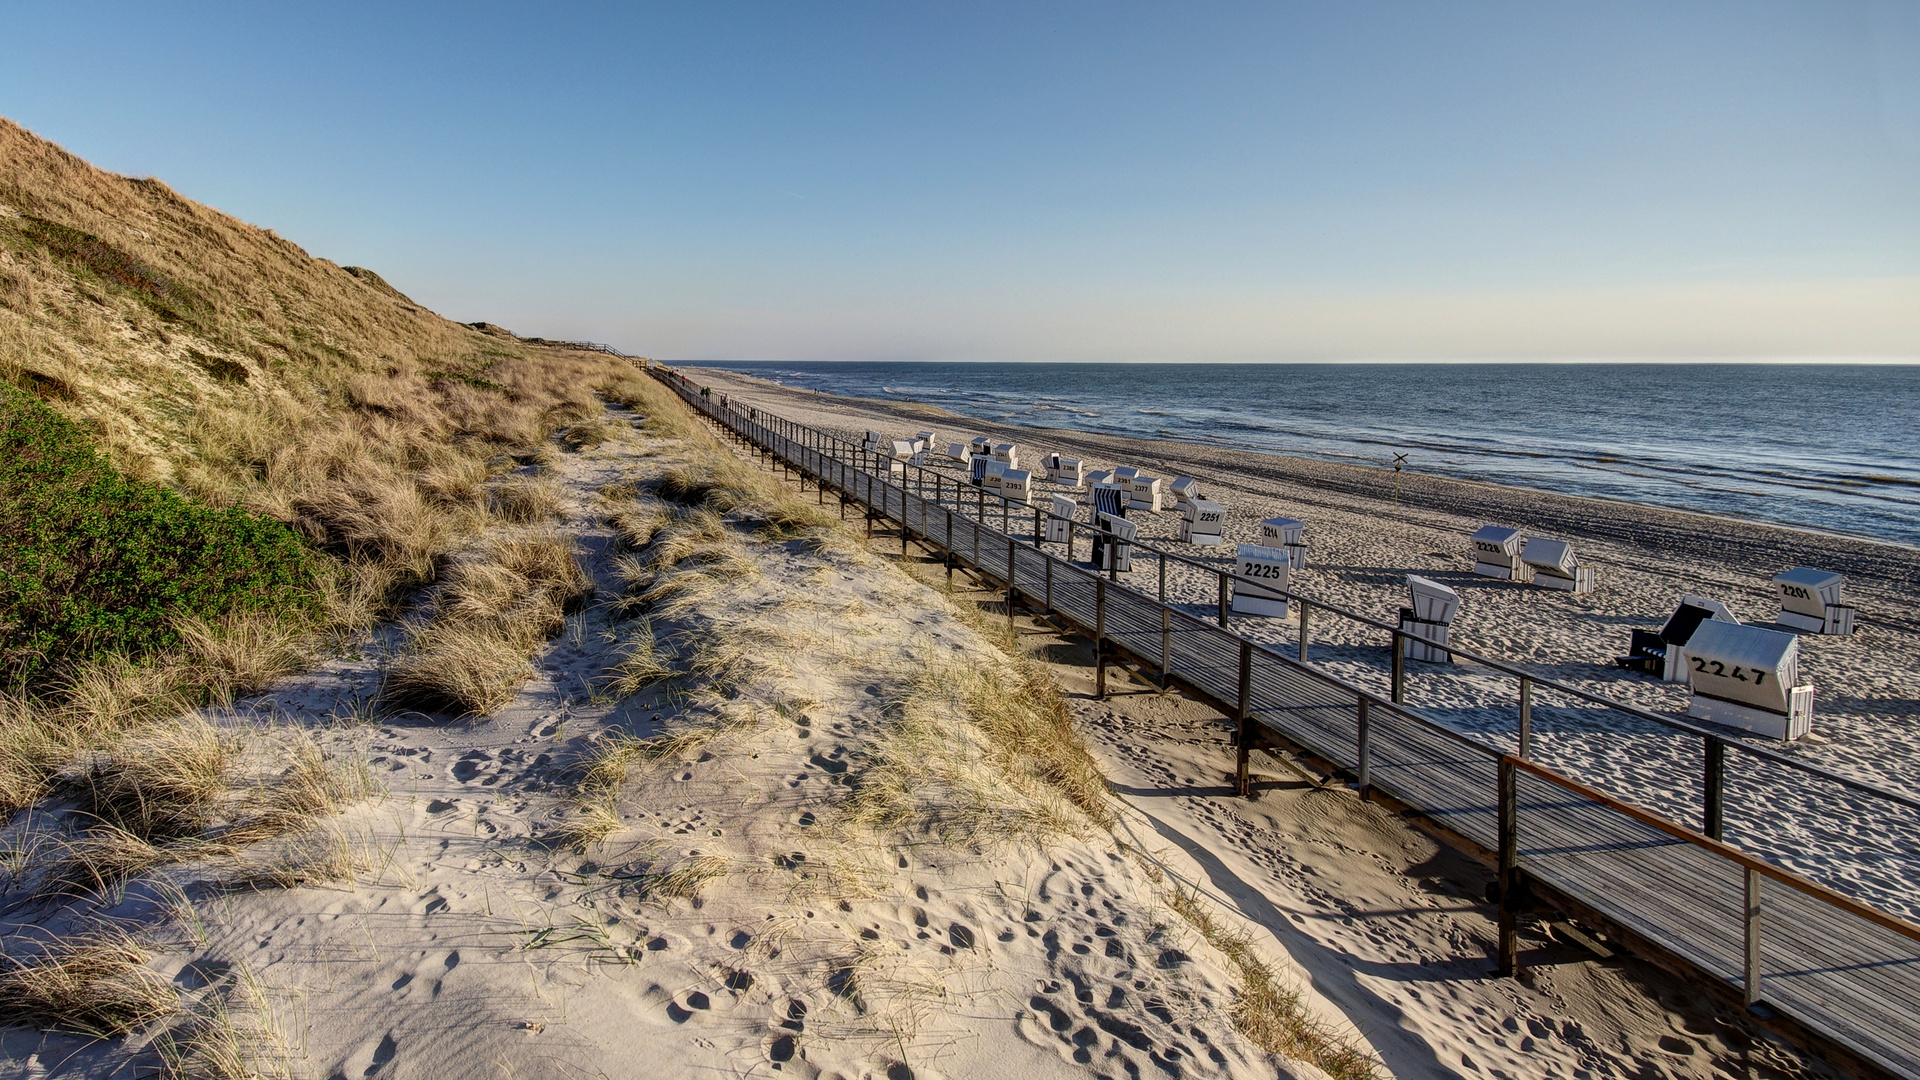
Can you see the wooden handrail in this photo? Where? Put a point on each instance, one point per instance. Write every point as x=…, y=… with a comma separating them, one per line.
x=1497, y=755
x=1721, y=848
x=1865, y=787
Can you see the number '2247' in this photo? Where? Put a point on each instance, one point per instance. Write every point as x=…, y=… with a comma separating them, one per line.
x=1701, y=664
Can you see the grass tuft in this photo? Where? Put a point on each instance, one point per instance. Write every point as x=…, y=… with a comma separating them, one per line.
x=96, y=983
x=527, y=502
x=1268, y=1013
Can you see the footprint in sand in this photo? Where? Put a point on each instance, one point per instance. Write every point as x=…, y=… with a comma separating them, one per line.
x=428, y=976
x=370, y=1059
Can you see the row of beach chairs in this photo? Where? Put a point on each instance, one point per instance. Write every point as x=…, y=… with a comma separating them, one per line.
x=1741, y=676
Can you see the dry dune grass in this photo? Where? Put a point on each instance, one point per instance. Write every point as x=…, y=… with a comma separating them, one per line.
x=189, y=790
x=977, y=756
x=488, y=618
x=527, y=501
x=98, y=983
x=1268, y=1012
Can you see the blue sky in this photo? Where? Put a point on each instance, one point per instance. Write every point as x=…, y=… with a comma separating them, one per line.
x=1049, y=181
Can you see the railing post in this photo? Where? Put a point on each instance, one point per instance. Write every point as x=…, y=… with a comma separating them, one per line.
x=1049, y=559
x=1526, y=717
x=1509, y=868
x=1716, y=789
x=1163, y=577
x=1010, y=576
x=1099, y=638
x=1752, y=967
x=1166, y=643
x=1220, y=597
x=1037, y=535
x=1364, y=748
x=1242, y=783
x=1304, y=608
x=1399, y=669
x=1069, y=539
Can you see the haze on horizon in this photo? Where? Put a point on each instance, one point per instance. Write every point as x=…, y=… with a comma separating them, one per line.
x=1050, y=182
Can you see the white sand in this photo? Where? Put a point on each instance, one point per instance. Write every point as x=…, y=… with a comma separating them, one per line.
x=1361, y=546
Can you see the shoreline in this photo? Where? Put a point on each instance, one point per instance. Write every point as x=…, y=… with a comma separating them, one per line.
x=1756, y=494
x=1424, y=491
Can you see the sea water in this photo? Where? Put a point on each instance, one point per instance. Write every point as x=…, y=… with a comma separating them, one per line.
x=1829, y=447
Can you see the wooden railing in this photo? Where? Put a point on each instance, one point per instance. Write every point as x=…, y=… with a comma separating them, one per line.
x=1841, y=967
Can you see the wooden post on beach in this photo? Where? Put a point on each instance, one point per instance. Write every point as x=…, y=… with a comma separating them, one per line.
x=1509, y=868
x=1304, y=607
x=1243, y=719
x=1716, y=788
x=1099, y=638
x=1166, y=643
x=1399, y=669
x=1526, y=717
x=1364, y=749
x=1752, y=951
x=1010, y=576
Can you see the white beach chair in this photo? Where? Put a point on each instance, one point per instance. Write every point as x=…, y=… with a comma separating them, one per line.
x=1555, y=566
x=1813, y=601
x=1185, y=489
x=960, y=452
x=1663, y=653
x=1008, y=453
x=1748, y=677
x=903, y=448
x=1201, y=521
x=1113, y=543
x=1428, y=622
x=1101, y=476
x=1016, y=486
x=1260, y=580
x=977, y=469
x=1288, y=533
x=1067, y=472
x=1496, y=553
x=1109, y=499
x=1143, y=493
x=991, y=472
x=982, y=445
x=873, y=442
x=1060, y=521
x=924, y=438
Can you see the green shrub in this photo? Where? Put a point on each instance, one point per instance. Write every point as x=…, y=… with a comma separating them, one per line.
x=93, y=562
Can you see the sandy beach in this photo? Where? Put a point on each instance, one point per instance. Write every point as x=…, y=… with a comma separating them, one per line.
x=1362, y=543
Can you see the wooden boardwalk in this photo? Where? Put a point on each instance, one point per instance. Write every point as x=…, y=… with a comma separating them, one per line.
x=1850, y=976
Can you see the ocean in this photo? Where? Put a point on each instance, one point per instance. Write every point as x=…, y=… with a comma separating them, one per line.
x=1827, y=447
